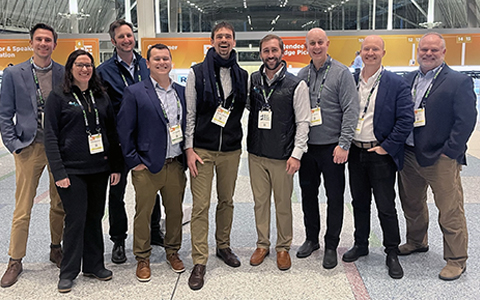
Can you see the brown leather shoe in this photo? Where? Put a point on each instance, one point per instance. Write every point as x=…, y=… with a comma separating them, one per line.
x=283, y=260
x=14, y=269
x=228, y=257
x=143, y=269
x=175, y=263
x=258, y=256
x=56, y=255
x=195, y=282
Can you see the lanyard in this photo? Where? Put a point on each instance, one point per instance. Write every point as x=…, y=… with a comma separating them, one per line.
x=223, y=102
x=427, y=93
x=329, y=64
x=375, y=84
x=37, y=83
x=165, y=111
x=97, y=121
x=123, y=76
x=265, y=96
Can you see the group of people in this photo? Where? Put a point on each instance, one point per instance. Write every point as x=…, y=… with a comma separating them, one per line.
x=92, y=127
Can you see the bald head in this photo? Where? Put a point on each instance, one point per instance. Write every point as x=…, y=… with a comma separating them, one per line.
x=317, y=45
x=374, y=39
x=373, y=50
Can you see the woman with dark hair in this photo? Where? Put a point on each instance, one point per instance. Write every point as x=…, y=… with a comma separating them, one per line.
x=83, y=152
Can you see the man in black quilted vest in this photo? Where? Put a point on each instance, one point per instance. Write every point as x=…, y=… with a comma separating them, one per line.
x=215, y=94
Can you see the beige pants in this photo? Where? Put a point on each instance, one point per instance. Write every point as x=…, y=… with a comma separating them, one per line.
x=267, y=175
x=226, y=167
x=29, y=166
x=170, y=181
x=444, y=179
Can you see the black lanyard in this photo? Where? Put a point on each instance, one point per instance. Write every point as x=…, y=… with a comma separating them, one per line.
x=223, y=101
x=329, y=64
x=427, y=93
x=375, y=84
x=97, y=119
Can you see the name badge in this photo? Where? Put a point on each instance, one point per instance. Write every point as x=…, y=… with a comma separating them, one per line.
x=359, y=125
x=265, y=119
x=221, y=116
x=316, y=117
x=419, y=117
x=95, y=142
x=176, y=134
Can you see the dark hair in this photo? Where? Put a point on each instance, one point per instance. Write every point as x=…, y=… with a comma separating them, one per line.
x=158, y=46
x=46, y=27
x=94, y=83
x=117, y=23
x=220, y=25
x=269, y=37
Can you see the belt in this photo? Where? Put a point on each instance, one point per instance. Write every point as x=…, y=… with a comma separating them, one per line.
x=171, y=159
x=365, y=145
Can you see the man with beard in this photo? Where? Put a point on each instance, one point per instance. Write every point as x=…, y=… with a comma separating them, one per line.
x=277, y=138
x=445, y=116
x=216, y=94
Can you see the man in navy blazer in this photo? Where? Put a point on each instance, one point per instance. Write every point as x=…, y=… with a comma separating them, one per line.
x=25, y=88
x=445, y=116
x=385, y=120
x=150, y=125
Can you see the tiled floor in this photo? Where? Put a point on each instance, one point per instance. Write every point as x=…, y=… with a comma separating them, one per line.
x=365, y=279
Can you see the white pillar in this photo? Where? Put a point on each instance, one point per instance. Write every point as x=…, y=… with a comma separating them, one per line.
x=145, y=19
x=390, y=15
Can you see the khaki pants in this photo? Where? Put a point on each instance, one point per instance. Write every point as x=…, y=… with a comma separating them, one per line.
x=444, y=179
x=29, y=166
x=226, y=167
x=267, y=175
x=171, y=181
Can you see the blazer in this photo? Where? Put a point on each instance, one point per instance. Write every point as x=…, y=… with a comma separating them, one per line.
x=450, y=115
x=18, y=104
x=393, y=115
x=142, y=127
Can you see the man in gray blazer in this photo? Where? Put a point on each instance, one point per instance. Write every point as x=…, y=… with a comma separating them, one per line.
x=25, y=88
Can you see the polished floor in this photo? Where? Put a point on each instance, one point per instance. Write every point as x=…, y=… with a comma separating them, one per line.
x=367, y=278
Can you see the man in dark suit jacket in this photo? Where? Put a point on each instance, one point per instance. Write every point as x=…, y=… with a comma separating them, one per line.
x=151, y=122
x=25, y=88
x=445, y=116
x=385, y=120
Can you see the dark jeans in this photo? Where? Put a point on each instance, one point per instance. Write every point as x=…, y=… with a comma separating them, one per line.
x=369, y=172
x=84, y=205
x=116, y=210
x=316, y=161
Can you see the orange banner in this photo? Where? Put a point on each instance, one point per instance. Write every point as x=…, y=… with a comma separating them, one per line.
x=18, y=50
x=185, y=52
x=401, y=49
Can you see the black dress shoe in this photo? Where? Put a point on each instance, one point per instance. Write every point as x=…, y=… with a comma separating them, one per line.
x=157, y=238
x=394, y=268
x=65, y=285
x=118, y=252
x=228, y=257
x=330, y=259
x=195, y=282
x=354, y=253
x=307, y=248
x=102, y=274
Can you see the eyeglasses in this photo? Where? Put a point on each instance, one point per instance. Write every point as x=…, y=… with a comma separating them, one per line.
x=81, y=66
